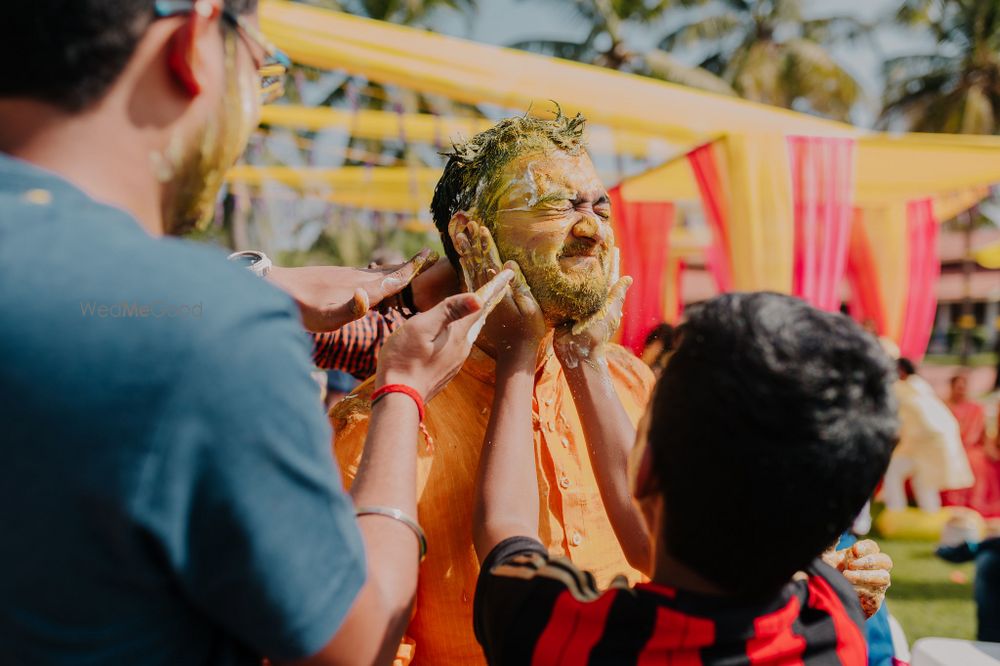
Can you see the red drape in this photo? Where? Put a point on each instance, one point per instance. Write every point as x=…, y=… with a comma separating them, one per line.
x=706, y=173
x=677, y=284
x=642, y=232
x=822, y=171
x=925, y=268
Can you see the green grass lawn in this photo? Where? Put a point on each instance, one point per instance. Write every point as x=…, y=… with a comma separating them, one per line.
x=923, y=598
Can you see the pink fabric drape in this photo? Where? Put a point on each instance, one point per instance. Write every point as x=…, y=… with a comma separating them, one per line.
x=925, y=268
x=642, y=232
x=822, y=171
x=706, y=173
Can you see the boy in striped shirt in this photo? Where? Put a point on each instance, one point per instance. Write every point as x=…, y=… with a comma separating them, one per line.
x=768, y=431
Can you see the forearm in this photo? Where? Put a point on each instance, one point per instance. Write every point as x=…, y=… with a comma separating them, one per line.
x=507, y=490
x=386, y=478
x=610, y=437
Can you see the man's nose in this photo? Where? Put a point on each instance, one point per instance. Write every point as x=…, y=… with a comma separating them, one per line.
x=591, y=227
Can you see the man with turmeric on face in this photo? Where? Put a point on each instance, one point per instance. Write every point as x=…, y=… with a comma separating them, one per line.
x=530, y=185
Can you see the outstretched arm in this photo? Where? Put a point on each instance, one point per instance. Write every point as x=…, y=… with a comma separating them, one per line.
x=507, y=489
x=424, y=354
x=506, y=502
x=607, y=427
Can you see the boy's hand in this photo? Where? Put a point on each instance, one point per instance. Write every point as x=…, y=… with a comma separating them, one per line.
x=584, y=341
x=517, y=323
x=867, y=569
x=429, y=349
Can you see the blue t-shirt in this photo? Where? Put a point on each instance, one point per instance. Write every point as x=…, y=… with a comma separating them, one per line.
x=167, y=490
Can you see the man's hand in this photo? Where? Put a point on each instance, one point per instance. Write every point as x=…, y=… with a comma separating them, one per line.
x=517, y=324
x=867, y=569
x=331, y=296
x=584, y=341
x=429, y=349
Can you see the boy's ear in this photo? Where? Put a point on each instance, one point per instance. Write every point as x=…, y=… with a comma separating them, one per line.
x=183, y=57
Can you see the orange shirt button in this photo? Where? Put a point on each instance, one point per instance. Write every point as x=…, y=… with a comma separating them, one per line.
x=577, y=539
x=564, y=441
x=551, y=426
x=564, y=482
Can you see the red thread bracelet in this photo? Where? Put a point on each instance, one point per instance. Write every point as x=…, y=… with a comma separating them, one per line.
x=417, y=399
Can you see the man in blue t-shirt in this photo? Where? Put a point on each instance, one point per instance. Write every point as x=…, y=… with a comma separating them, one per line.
x=168, y=495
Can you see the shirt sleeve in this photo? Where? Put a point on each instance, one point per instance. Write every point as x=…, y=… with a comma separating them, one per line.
x=840, y=586
x=957, y=554
x=354, y=347
x=517, y=591
x=242, y=494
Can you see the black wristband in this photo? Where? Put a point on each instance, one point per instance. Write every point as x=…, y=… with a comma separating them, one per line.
x=406, y=296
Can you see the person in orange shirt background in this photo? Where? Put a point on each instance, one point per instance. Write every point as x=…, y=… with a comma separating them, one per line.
x=530, y=185
x=984, y=495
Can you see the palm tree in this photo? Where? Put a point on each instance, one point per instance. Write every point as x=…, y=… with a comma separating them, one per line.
x=761, y=50
x=956, y=87
x=768, y=52
x=605, y=43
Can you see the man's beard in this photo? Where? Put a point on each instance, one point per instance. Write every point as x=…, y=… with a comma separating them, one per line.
x=562, y=296
x=196, y=184
x=196, y=173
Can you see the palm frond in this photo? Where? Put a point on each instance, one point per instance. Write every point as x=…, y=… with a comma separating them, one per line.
x=661, y=65
x=812, y=74
x=711, y=28
x=910, y=98
x=757, y=74
x=836, y=29
x=579, y=51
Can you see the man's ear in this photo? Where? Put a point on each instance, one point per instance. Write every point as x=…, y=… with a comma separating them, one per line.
x=457, y=224
x=183, y=58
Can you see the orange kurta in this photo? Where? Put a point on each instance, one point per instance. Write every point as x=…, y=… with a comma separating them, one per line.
x=572, y=523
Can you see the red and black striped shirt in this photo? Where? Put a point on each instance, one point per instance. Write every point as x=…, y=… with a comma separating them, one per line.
x=354, y=347
x=533, y=609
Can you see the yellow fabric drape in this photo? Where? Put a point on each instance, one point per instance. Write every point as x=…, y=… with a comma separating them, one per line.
x=393, y=189
x=425, y=128
x=889, y=167
x=761, y=226
x=476, y=73
x=886, y=227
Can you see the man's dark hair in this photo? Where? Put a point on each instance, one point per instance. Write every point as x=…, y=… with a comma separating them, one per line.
x=906, y=366
x=69, y=53
x=770, y=428
x=471, y=178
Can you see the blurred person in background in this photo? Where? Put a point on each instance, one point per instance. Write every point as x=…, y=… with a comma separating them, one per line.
x=960, y=547
x=984, y=495
x=930, y=452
